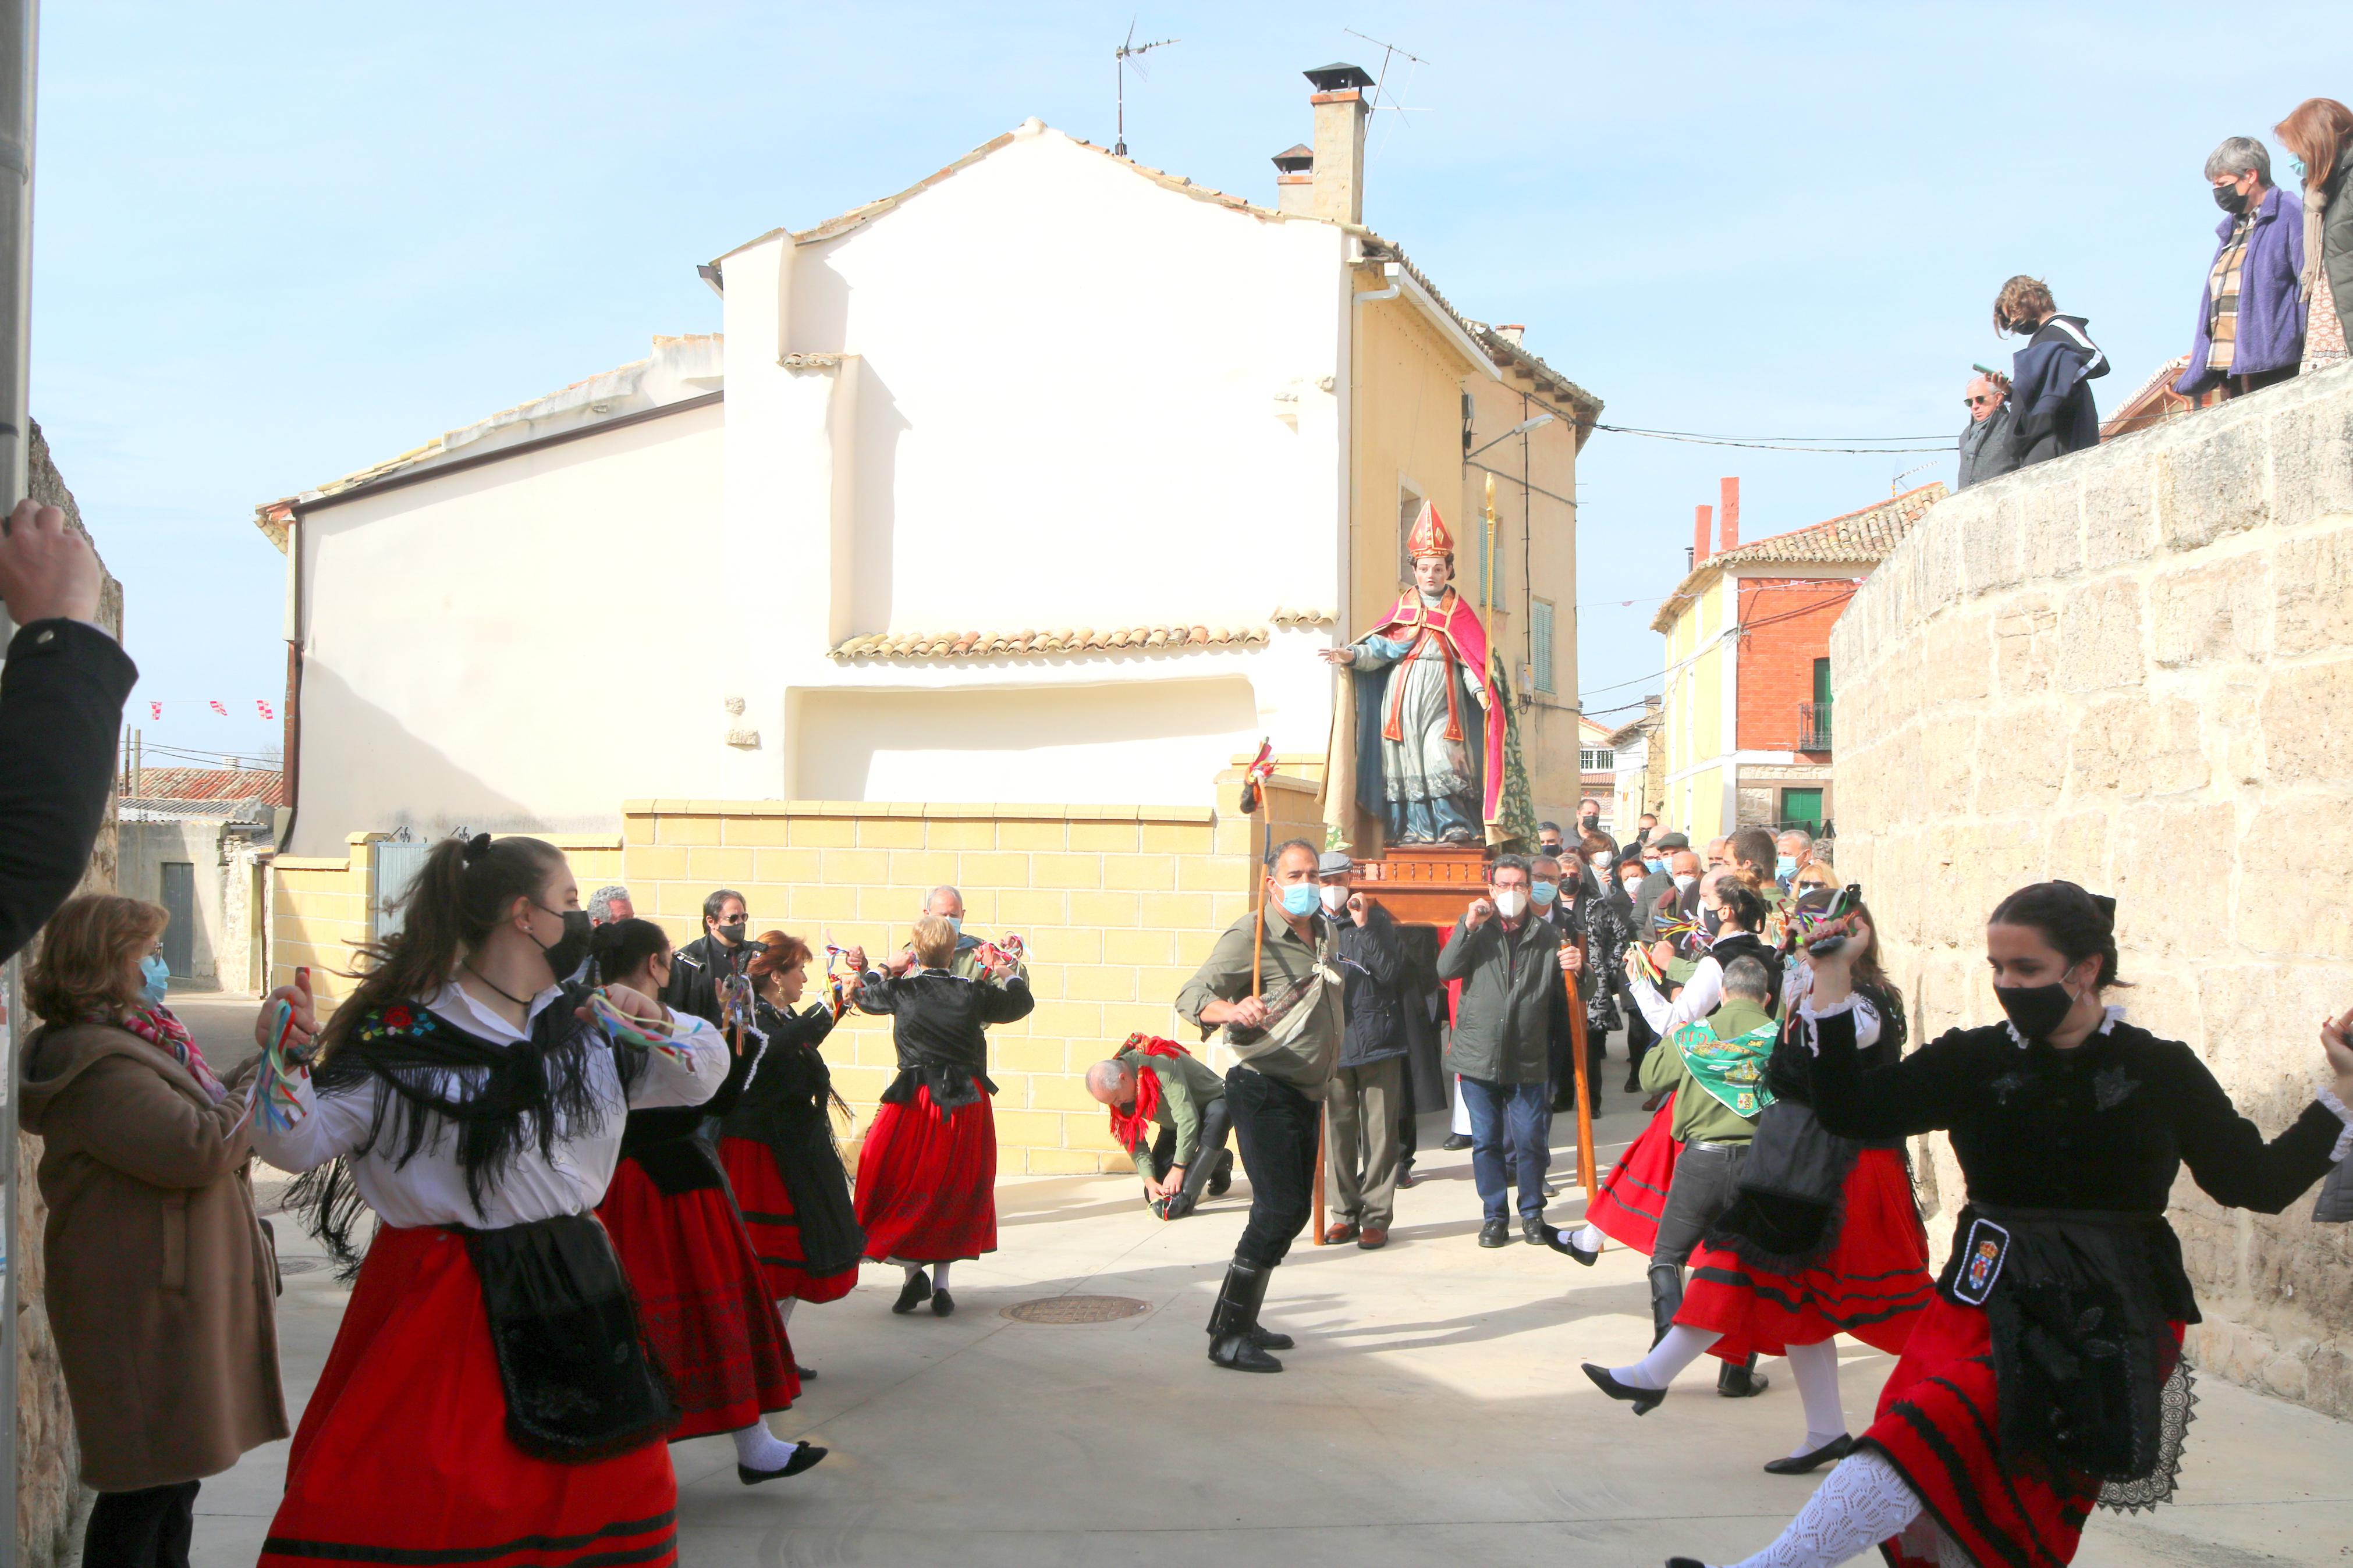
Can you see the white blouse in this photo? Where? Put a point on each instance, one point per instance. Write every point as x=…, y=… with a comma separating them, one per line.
x=430, y=1189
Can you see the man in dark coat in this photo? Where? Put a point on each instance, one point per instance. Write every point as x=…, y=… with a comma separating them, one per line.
x=1986, y=450
x=62, y=694
x=1361, y=1113
x=697, y=968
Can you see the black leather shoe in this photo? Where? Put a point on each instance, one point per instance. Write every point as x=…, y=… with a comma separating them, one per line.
x=1558, y=1241
x=1830, y=1453
x=1741, y=1382
x=1267, y=1339
x=803, y=1457
x=1496, y=1233
x=1176, y=1207
x=912, y=1294
x=1686, y=1562
x=1224, y=1173
x=1236, y=1354
x=1534, y=1232
x=806, y=1374
x=943, y=1304
x=1455, y=1144
x=1643, y=1400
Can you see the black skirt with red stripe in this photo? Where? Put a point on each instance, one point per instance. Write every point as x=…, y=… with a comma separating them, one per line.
x=704, y=1307
x=403, y=1457
x=1634, y=1194
x=1871, y=1285
x=927, y=1185
x=773, y=1220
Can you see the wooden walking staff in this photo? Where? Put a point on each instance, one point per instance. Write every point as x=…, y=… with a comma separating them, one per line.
x=1585, y=1171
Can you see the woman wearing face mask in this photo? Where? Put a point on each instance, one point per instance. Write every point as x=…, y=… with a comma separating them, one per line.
x=684, y=1248
x=777, y=1141
x=2046, y=1375
x=160, y=1279
x=1735, y=912
x=489, y=1385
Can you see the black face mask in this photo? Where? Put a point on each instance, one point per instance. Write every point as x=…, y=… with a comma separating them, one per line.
x=732, y=933
x=565, y=954
x=2229, y=200
x=1710, y=921
x=1589, y=823
x=2035, y=1010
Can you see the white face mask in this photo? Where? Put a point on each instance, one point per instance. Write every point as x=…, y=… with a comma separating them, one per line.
x=1687, y=881
x=1630, y=884
x=1511, y=904
x=1603, y=860
x=1335, y=898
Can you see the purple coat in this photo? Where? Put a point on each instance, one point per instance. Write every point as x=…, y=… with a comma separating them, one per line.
x=2271, y=310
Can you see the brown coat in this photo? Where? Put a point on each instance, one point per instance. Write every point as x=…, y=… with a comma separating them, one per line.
x=160, y=1282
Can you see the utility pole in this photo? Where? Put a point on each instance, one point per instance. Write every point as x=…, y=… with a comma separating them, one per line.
x=19, y=51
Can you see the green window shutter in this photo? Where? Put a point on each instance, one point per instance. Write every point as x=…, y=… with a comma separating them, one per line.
x=1540, y=638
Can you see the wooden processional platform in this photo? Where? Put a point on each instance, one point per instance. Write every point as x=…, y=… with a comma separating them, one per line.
x=1425, y=884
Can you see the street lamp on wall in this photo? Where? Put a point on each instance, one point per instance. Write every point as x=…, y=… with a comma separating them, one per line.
x=1522, y=428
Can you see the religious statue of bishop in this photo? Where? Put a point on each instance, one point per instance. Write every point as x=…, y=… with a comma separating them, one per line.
x=1430, y=718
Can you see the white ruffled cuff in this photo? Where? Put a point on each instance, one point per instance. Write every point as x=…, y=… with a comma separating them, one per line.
x=1813, y=1014
x=2328, y=1097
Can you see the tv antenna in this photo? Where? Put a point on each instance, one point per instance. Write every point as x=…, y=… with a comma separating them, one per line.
x=1120, y=57
x=1380, y=79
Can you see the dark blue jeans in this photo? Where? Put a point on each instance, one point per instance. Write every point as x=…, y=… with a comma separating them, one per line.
x=1509, y=1121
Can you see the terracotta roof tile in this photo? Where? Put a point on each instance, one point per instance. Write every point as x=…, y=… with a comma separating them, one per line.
x=212, y=783
x=1861, y=538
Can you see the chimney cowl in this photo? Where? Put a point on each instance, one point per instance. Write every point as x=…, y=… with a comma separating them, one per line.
x=1297, y=159
x=1339, y=77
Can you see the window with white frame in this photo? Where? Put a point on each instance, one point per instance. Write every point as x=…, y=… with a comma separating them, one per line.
x=1596, y=760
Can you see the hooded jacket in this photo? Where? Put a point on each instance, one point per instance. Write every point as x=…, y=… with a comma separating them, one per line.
x=2270, y=329
x=2050, y=398
x=160, y=1279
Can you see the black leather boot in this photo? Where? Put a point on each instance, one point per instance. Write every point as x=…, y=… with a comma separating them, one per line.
x=1742, y=1382
x=1666, y=1299
x=1232, y=1320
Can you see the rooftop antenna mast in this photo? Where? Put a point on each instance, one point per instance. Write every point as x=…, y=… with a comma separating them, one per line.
x=1120, y=57
x=1380, y=78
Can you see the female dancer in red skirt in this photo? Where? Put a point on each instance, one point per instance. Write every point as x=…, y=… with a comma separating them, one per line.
x=1825, y=1237
x=1625, y=1207
x=2046, y=1376
x=927, y=1177
x=488, y=1399
x=700, y=1294
x=778, y=1140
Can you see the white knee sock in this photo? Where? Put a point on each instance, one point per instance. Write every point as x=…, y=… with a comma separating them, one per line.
x=1816, y=1369
x=1683, y=1346
x=915, y=1271
x=757, y=1448
x=1588, y=1237
x=784, y=1310
x=939, y=1276
x=1863, y=1503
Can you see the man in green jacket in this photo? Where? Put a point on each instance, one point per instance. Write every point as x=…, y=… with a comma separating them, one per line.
x=1512, y=965
x=1169, y=1111
x=1716, y=1069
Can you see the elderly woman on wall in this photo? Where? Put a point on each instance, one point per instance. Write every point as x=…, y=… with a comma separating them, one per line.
x=2250, y=317
x=2319, y=134
x=160, y=1279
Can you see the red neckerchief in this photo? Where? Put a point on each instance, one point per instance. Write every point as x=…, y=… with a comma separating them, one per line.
x=1132, y=1127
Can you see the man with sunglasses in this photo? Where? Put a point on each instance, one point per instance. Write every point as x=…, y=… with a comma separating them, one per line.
x=1986, y=452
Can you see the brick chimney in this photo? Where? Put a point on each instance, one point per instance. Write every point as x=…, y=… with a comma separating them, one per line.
x=1338, y=191
x=1729, y=493
x=1295, y=181
x=1699, y=533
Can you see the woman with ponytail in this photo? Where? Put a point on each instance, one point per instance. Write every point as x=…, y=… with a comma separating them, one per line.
x=2046, y=1375
x=489, y=1394
x=777, y=1140
x=683, y=1246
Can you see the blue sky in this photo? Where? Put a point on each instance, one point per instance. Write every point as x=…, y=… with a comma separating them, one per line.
x=276, y=243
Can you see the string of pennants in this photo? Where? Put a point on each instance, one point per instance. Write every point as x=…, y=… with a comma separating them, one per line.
x=156, y=707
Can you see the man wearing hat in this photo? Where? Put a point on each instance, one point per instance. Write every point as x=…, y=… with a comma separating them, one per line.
x=1361, y=1113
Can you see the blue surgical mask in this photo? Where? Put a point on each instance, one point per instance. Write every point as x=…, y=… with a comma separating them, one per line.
x=1786, y=866
x=156, y=979
x=1546, y=892
x=1300, y=899
x=958, y=923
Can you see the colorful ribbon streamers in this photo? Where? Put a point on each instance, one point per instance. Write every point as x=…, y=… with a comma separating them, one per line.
x=646, y=1034
x=274, y=1096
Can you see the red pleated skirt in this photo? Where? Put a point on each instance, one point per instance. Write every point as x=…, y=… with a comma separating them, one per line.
x=706, y=1311
x=1936, y=1424
x=771, y=1221
x=402, y=1456
x=1634, y=1194
x=1871, y=1285
x=927, y=1187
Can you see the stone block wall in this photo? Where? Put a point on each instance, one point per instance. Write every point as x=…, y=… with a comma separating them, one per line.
x=2133, y=667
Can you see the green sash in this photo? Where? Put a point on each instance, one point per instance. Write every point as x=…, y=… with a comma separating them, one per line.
x=1732, y=1070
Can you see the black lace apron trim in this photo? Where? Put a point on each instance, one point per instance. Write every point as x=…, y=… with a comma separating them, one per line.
x=1791, y=1204
x=953, y=1086
x=2080, y=1307
x=579, y=1382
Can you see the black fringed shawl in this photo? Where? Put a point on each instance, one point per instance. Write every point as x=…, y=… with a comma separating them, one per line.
x=507, y=1097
